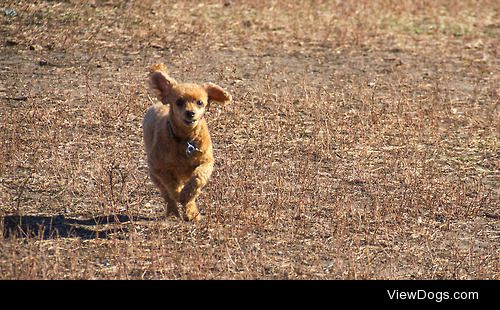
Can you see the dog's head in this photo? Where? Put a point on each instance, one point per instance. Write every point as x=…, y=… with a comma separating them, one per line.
x=188, y=101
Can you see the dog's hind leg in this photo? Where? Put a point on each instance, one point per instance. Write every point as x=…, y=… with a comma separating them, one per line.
x=171, y=204
x=171, y=208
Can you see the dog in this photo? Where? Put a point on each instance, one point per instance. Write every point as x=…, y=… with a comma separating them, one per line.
x=177, y=140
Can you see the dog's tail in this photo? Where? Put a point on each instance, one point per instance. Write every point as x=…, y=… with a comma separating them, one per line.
x=159, y=67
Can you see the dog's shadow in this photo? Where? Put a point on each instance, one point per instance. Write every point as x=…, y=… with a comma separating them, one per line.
x=58, y=226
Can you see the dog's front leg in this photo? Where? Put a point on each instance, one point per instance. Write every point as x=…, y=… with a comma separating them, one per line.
x=192, y=189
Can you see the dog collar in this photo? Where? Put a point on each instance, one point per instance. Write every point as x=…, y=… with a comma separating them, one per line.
x=191, y=146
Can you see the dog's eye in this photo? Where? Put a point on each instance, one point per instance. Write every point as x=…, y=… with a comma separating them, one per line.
x=180, y=102
x=200, y=103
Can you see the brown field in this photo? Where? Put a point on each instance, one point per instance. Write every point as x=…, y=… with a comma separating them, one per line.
x=363, y=141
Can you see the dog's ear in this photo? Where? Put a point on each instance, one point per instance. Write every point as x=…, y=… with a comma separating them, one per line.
x=160, y=82
x=217, y=93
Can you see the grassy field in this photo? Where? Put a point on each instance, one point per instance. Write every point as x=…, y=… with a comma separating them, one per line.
x=363, y=141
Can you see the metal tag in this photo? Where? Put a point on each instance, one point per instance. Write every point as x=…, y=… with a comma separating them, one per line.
x=190, y=148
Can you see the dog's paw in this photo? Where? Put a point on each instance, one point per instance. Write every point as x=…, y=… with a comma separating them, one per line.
x=171, y=212
x=193, y=215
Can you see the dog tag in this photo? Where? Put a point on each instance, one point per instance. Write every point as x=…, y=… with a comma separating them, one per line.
x=190, y=149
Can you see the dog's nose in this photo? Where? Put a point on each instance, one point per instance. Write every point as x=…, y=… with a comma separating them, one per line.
x=189, y=114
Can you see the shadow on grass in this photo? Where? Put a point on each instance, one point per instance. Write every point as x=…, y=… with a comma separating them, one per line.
x=51, y=227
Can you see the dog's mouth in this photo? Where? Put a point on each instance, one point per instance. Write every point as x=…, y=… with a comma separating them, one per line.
x=189, y=122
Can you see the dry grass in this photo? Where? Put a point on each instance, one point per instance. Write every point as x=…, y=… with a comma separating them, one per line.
x=363, y=141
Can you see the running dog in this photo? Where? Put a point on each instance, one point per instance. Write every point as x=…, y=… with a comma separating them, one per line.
x=177, y=141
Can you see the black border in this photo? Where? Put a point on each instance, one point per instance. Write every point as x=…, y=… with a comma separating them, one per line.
x=248, y=293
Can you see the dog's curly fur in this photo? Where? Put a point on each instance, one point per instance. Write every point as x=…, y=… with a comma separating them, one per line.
x=177, y=140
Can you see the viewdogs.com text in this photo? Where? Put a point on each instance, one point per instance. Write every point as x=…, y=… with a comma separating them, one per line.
x=436, y=296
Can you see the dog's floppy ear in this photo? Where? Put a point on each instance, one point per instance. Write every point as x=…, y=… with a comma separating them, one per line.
x=160, y=82
x=217, y=93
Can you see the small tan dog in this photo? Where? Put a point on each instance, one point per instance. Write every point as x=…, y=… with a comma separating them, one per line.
x=177, y=141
